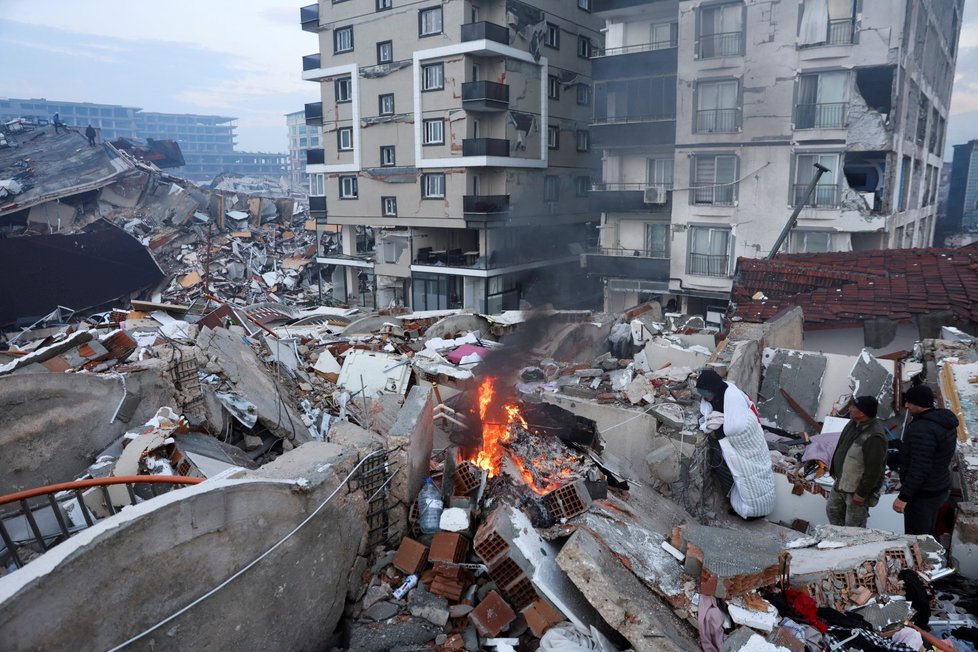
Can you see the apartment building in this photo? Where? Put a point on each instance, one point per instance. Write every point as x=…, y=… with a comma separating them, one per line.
x=961, y=218
x=765, y=91
x=456, y=154
x=206, y=141
x=302, y=137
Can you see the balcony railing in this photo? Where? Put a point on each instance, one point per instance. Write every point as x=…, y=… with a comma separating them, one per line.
x=314, y=113
x=628, y=119
x=708, y=264
x=632, y=253
x=718, y=194
x=840, y=31
x=723, y=44
x=824, y=196
x=485, y=31
x=485, y=147
x=618, y=186
x=485, y=96
x=311, y=62
x=309, y=17
x=597, y=52
x=718, y=120
x=315, y=157
x=485, y=204
x=830, y=115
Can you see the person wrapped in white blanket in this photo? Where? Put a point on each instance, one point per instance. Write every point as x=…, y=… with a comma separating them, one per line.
x=738, y=451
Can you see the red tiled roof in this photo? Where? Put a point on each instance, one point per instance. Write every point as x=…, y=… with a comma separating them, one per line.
x=856, y=285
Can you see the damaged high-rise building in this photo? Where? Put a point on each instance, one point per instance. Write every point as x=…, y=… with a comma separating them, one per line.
x=699, y=173
x=456, y=154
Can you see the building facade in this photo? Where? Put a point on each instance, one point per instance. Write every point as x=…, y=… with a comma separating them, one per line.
x=206, y=141
x=961, y=216
x=456, y=153
x=302, y=137
x=765, y=91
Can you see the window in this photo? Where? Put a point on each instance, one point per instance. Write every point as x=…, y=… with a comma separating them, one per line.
x=721, y=31
x=317, y=184
x=659, y=173
x=383, y=4
x=583, y=140
x=657, y=240
x=583, y=47
x=433, y=185
x=714, y=179
x=344, y=89
x=388, y=206
x=717, y=106
x=709, y=251
x=429, y=21
x=553, y=87
x=826, y=193
x=386, y=104
x=551, y=188
x=348, y=188
x=826, y=22
x=553, y=137
x=811, y=242
x=584, y=4
x=433, y=77
x=584, y=94
x=385, y=52
x=343, y=39
x=664, y=35
x=434, y=132
x=552, y=36
x=822, y=100
x=582, y=185
x=387, y=159
x=344, y=139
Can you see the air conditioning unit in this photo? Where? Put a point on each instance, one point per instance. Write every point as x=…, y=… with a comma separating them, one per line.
x=656, y=195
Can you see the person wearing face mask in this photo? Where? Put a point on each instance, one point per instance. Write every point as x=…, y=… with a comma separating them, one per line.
x=739, y=453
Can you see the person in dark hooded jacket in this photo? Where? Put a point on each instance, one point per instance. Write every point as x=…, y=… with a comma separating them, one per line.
x=925, y=461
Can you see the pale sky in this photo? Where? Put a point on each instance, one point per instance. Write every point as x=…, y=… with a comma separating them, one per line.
x=239, y=58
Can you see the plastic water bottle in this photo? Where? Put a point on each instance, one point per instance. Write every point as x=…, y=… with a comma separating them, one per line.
x=409, y=583
x=429, y=506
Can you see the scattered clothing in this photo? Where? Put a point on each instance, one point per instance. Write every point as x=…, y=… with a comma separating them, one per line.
x=710, y=620
x=839, y=638
x=918, y=596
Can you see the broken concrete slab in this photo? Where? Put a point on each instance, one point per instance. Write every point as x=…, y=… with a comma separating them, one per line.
x=660, y=352
x=382, y=637
x=428, y=606
x=871, y=378
x=739, y=560
x=798, y=373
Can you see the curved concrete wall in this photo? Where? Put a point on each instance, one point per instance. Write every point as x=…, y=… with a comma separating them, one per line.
x=127, y=573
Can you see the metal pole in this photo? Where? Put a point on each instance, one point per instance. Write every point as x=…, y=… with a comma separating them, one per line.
x=819, y=171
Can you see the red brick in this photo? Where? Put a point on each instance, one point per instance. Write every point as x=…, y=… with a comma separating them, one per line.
x=448, y=547
x=411, y=556
x=492, y=616
x=541, y=616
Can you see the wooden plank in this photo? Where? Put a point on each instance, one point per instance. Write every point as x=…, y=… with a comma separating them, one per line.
x=949, y=390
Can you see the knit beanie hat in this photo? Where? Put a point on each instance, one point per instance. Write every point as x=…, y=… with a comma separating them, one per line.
x=710, y=380
x=920, y=395
x=867, y=405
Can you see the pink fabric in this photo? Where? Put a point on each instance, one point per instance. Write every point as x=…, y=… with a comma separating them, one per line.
x=466, y=349
x=909, y=637
x=710, y=624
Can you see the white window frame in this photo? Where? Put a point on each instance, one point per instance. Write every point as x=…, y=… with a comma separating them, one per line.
x=387, y=161
x=712, y=184
x=801, y=241
x=388, y=206
x=432, y=134
x=344, y=139
x=655, y=39
x=343, y=39
x=433, y=77
x=382, y=100
x=381, y=47
x=317, y=185
x=583, y=138
x=712, y=231
x=430, y=27
x=381, y=5
x=553, y=87
x=345, y=83
x=649, y=228
x=433, y=185
x=584, y=93
x=553, y=137
x=659, y=172
x=584, y=4
x=583, y=46
x=551, y=36
x=349, y=187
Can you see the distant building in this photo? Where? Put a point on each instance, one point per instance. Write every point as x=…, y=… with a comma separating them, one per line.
x=207, y=141
x=962, y=199
x=302, y=137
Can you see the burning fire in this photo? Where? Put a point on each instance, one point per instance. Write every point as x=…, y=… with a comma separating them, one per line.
x=496, y=421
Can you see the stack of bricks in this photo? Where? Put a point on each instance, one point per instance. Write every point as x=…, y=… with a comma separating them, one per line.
x=568, y=501
x=450, y=581
x=467, y=477
x=448, y=547
x=508, y=569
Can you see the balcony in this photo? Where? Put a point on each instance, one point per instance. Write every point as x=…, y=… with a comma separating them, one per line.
x=723, y=44
x=485, y=204
x=485, y=96
x=629, y=198
x=314, y=114
x=715, y=194
x=840, y=32
x=717, y=121
x=716, y=265
x=317, y=206
x=311, y=62
x=824, y=196
x=309, y=17
x=627, y=263
x=485, y=31
x=485, y=147
x=830, y=115
x=597, y=53
x=633, y=131
x=315, y=157
x=634, y=61
x=597, y=6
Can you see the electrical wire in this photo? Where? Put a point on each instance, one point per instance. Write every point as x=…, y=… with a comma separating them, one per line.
x=251, y=564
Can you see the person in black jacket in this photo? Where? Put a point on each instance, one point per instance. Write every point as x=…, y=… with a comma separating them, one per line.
x=925, y=460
